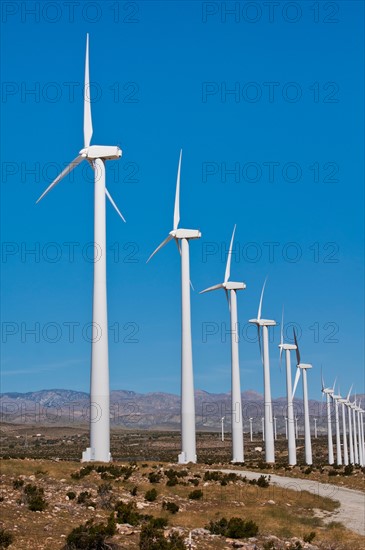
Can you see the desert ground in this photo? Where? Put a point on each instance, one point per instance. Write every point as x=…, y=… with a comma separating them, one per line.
x=280, y=507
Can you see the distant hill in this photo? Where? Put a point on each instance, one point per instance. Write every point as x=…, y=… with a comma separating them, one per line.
x=155, y=410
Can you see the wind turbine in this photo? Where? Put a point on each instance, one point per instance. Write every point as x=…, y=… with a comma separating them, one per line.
x=230, y=289
x=268, y=416
x=182, y=237
x=250, y=420
x=290, y=428
x=303, y=367
x=351, y=440
x=328, y=392
x=336, y=399
x=359, y=435
x=343, y=401
x=96, y=155
x=354, y=426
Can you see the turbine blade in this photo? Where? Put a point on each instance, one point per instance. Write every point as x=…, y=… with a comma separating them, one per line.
x=229, y=257
x=88, y=125
x=281, y=337
x=167, y=240
x=178, y=245
x=64, y=173
x=348, y=395
x=322, y=379
x=334, y=383
x=113, y=204
x=177, y=195
x=228, y=300
x=260, y=304
x=297, y=350
x=260, y=346
x=297, y=376
x=192, y=288
x=215, y=287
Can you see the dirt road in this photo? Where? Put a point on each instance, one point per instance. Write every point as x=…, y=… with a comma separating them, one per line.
x=352, y=503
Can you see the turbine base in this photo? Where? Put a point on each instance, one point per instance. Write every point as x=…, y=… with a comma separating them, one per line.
x=182, y=459
x=89, y=456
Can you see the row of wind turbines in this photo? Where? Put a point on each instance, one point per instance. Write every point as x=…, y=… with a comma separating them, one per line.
x=99, y=449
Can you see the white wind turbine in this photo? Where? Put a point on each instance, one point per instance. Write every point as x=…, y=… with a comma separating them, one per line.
x=303, y=367
x=230, y=289
x=328, y=392
x=343, y=401
x=182, y=236
x=268, y=416
x=336, y=399
x=354, y=427
x=96, y=155
x=359, y=434
x=292, y=450
x=351, y=440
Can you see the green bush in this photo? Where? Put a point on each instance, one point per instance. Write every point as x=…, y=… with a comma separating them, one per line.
x=90, y=536
x=6, y=538
x=110, y=471
x=17, y=483
x=170, y=507
x=195, y=495
x=71, y=495
x=159, y=523
x=348, y=470
x=127, y=513
x=84, y=498
x=218, y=527
x=309, y=536
x=235, y=528
x=134, y=491
x=151, y=495
x=34, y=498
x=154, y=477
x=263, y=481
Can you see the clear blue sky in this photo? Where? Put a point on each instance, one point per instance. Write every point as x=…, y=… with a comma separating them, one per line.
x=294, y=132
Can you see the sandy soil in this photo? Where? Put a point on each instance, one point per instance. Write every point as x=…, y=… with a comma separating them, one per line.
x=352, y=503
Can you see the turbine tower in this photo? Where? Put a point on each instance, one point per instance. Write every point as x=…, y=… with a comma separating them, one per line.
x=336, y=399
x=328, y=392
x=290, y=428
x=361, y=416
x=231, y=289
x=96, y=155
x=351, y=440
x=359, y=435
x=354, y=427
x=343, y=401
x=303, y=367
x=182, y=237
x=268, y=416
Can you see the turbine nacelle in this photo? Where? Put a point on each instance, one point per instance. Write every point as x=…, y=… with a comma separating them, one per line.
x=287, y=346
x=105, y=152
x=304, y=366
x=185, y=234
x=263, y=322
x=230, y=285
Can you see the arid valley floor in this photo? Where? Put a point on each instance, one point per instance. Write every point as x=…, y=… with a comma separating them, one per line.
x=43, y=462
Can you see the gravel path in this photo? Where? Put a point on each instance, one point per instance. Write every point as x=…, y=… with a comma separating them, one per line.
x=352, y=503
